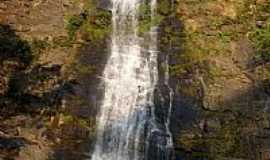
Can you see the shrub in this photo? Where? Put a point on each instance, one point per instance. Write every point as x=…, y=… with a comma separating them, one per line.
x=74, y=23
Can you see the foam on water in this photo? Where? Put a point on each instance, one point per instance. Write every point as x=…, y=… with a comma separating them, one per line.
x=127, y=120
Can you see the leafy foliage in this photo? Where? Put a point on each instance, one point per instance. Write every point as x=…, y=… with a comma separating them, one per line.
x=74, y=23
x=93, y=25
x=97, y=27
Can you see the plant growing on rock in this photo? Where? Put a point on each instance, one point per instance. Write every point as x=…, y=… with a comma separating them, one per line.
x=73, y=24
x=261, y=40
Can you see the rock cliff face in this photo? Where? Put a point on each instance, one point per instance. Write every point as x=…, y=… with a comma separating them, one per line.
x=221, y=75
x=52, y=54
x=48, y=68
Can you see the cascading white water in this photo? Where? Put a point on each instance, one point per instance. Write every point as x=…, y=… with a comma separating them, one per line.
x=127, y=117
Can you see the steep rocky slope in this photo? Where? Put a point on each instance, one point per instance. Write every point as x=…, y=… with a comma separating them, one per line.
x=45, y=79
x=224, y=71
x=53, y=53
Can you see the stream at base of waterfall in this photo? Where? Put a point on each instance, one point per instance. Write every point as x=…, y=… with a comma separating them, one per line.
x=127, y=128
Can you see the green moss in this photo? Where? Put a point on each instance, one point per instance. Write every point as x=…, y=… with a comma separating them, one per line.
x=261, y=40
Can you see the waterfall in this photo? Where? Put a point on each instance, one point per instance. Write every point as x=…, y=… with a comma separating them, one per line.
x=127, y=120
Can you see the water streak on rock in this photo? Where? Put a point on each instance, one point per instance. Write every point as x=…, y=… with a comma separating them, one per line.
x=127, y=121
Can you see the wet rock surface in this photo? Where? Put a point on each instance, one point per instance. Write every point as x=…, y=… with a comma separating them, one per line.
x=50, y=78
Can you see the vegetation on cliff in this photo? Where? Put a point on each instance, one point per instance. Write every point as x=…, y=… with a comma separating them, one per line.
x=224, y=67
x=219, y=67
